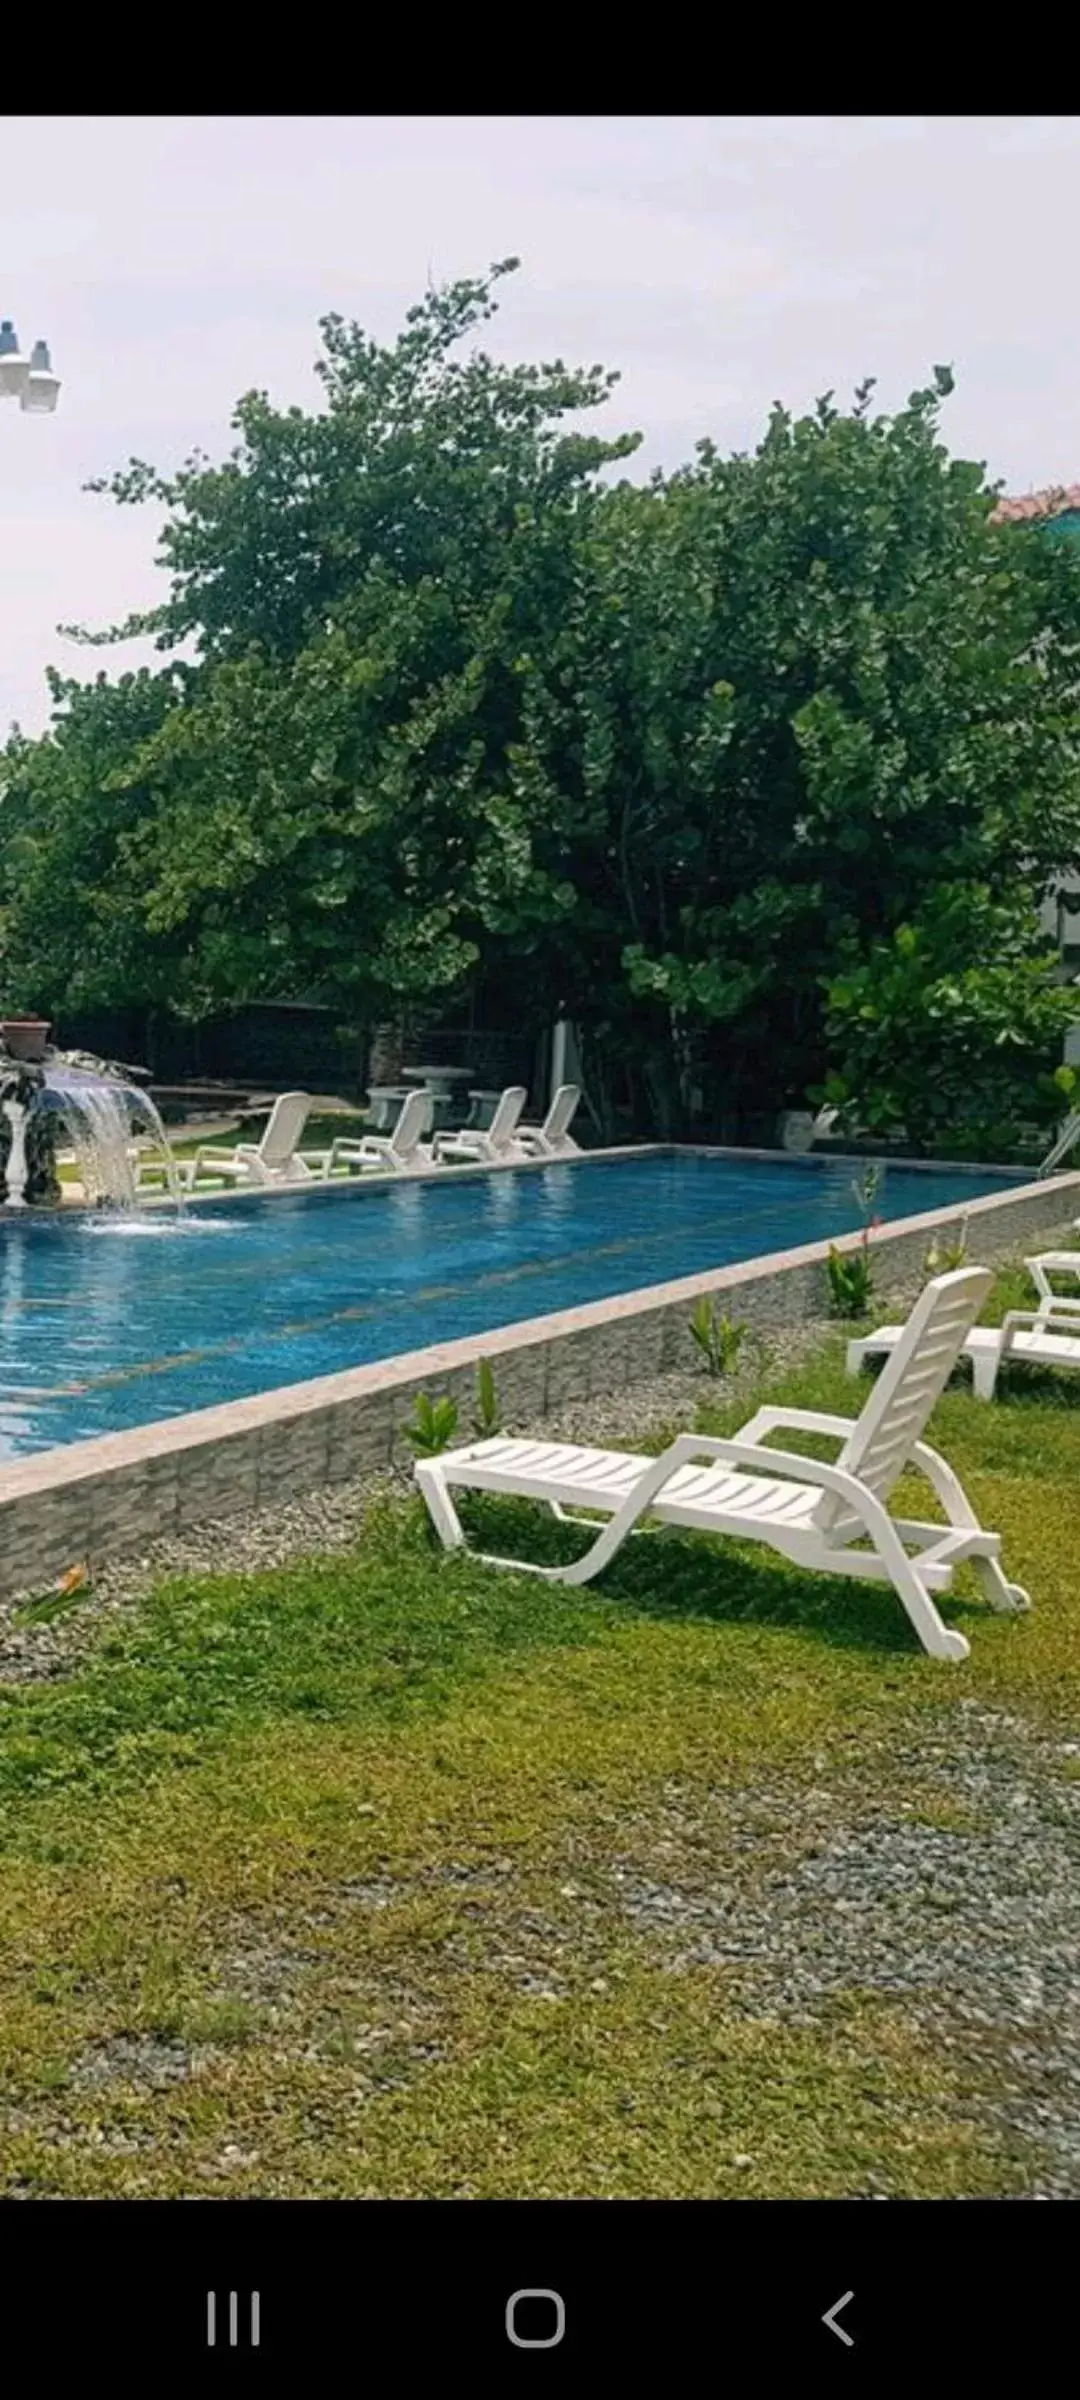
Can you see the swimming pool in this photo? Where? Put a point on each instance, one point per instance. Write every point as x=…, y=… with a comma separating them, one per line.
x=110, y=1323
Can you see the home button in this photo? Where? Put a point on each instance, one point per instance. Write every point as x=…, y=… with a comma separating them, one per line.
x=535, y=2319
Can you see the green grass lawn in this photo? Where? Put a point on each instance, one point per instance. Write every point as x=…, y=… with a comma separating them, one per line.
x=309, y=1879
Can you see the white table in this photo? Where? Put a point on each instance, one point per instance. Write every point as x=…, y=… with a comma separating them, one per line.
x=440, y=1082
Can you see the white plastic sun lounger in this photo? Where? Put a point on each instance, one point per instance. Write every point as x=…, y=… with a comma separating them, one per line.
x=552, y=1138
x=812, y=1513
x=496, y=1142
x=384, y=1153
x=1040, y=1269
x=1046, y=1336
x=273, y=1159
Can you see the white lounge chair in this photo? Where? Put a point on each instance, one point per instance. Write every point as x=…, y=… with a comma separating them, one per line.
x=496, y=1142
x=1040, y=1269
x=384, y=1153
x=1046, y=1336
x=274, y=1159
x=810, y=1512
x=552, y=1138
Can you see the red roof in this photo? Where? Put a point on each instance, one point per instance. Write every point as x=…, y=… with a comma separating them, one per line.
x=1052, y=503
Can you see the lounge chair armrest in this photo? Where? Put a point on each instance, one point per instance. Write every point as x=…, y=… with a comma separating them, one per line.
x=688, y=1447
x=207, y=1157
x=796, y=1420
x=221, y=1163
x=1016, y=1319
x=1052, y=1317
x=353, y=1146
x=1051, y=1262
x=945, y=1482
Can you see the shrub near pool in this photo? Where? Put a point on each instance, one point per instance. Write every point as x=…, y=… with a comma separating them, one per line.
x=383, y=1873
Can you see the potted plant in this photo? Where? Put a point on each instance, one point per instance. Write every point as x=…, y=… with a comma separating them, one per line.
x=25, y=1037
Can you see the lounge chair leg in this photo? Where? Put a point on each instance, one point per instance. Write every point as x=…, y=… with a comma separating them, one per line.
x=440, y=1507
x=1001, y=1594
x=984, y=1373
x=939, y=1639
x=451, y=1532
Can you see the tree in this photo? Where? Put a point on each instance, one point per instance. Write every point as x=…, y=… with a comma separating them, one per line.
x=759, y=770
x=72, y=814
x=807, y=699
x=328, y=807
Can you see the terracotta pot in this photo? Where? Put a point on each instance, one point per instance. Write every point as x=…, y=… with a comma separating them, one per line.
x=25, y=1037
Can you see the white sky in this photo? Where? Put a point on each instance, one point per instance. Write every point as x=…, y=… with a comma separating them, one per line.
x=720, y=262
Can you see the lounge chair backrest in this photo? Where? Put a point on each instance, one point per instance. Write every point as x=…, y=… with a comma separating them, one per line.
x=880, y=1445
x=284, y=1127
x=412, y=1120
x=507, y=1112
x=558, y=1119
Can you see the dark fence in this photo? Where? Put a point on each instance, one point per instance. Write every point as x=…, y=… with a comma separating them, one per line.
x=274, y=1045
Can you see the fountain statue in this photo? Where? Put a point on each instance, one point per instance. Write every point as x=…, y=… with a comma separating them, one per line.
x=49, y=1098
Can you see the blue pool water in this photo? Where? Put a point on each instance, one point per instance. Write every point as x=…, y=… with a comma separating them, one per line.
x=108, y=1323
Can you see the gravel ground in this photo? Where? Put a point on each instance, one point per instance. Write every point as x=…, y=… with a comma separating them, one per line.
x=959, y=1906
x=964, y=1908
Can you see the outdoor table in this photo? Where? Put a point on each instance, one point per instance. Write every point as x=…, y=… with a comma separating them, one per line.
x=385, y=1101
x=440, y=1082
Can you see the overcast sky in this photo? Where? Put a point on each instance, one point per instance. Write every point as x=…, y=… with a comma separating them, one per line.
x=720, y=262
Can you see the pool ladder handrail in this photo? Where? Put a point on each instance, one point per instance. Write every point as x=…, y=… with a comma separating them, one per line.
x=1067, y=1138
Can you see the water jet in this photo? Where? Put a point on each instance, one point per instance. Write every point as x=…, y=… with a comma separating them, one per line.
x=51, y=1099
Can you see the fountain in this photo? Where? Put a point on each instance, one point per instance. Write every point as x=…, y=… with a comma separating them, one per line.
x=50, y=1096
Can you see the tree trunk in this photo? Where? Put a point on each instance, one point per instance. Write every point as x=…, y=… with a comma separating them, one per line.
x=387, y=1052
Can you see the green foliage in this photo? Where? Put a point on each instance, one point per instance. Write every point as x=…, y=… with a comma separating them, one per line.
x=851, y=1278
x=718, y=1337
x=951, y=1028
x=849, y=1272
x=945, y=1255
x=759, y=770
x=865, y=1189
x=488, y=1415
x=434, y=1425
x=801, y=698
x=320, y=803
